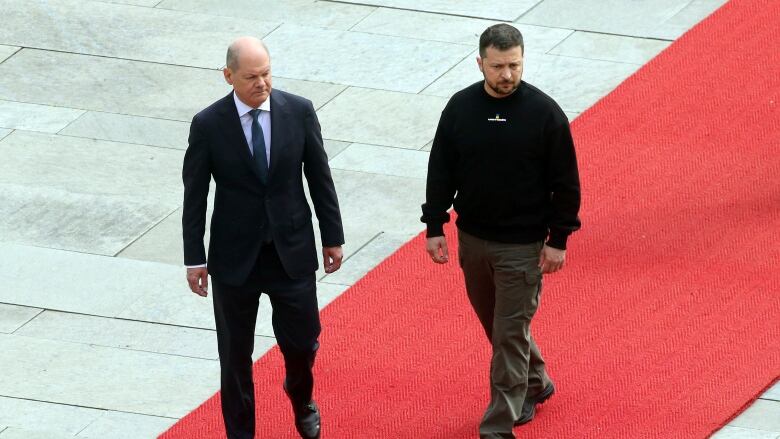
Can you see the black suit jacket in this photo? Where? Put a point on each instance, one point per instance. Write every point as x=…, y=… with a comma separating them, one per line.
x=243, y=206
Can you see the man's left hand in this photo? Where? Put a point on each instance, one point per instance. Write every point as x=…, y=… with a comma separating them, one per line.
x=551, y=259
x=331, y=258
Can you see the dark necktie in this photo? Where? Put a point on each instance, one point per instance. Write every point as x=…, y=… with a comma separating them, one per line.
x=258, y=146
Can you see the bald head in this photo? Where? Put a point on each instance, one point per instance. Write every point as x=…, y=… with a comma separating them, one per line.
x=248, y=70
x=247, y=47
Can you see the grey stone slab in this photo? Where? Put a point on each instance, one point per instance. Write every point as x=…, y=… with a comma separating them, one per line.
x=21, y=433
x=173, y=306
x=773, y=392
x=690, y=15
x=82, y=283
x=149, y=90
x=762, y=415
x=368, y=257
x=398, y=211
x=493, y=9
x=56, y=218
x=460, y=76
x=163, y=242
x=118, y=425
x=334, y=147
x=82, y=194
x=320, y=93
x=147, y=3
x=123, y=334
x=666, y=19
x=575, y=83
x=571, y=115
x=7, y=51
x=106, y=378
x=32, y=415
x=145, y=89
x=125, y=31
x=447, y=28
x=305, y=12
x=90, y=166
x=610, y=47
x=130, y=129
x=729, y=432
x=360, y=59
x=4, y=132
x=32, y=117
x=379, y=117
x=427, y=146
x=13, y=316
x=382, y=160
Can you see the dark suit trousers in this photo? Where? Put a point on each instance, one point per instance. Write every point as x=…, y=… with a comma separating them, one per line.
x=296, y=326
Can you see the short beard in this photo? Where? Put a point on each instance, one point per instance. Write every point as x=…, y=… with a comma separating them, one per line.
x=502, y=93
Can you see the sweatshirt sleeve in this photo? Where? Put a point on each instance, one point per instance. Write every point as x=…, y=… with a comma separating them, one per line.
x=563, y=182
x=440, y=186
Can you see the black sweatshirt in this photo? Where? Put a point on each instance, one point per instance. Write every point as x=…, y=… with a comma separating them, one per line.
x=512, y=164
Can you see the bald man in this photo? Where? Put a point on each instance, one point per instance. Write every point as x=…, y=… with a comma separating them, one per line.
x=254, y=143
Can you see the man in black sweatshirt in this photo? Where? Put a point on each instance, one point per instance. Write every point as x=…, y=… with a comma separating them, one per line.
x=503, y=155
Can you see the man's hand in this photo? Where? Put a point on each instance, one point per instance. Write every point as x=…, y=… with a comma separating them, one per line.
x=331, y=258
x=198, y=278
x=437, y=248
x=551, y=259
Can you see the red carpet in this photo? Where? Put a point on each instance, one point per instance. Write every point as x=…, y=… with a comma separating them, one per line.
x=666, y=321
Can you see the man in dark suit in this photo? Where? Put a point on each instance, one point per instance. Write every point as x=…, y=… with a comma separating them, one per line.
x=254, y=143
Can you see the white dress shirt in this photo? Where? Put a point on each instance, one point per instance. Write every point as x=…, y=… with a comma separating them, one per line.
x=246, y=124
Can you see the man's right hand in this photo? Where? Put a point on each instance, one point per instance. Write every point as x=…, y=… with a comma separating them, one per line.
x=437, y=248
x=198, y=278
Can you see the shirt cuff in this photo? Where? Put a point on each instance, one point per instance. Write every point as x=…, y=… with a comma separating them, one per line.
x=558, y=239
x=434, y=230
x=195, y=266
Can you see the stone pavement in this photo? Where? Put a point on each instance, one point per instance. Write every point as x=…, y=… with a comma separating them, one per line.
x=99, y=335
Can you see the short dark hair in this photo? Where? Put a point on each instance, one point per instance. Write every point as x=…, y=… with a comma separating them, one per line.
x=501, y=36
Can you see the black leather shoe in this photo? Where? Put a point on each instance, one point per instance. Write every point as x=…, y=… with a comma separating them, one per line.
x=307, y=418
x=529, y=405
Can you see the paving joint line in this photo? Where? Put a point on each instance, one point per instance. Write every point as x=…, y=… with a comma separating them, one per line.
x=40, y=311
x=124, y=142
x=372, y=239
x=365, y=32
x=19, y=49
x=10, y=131
x=376, y=8
x=334, y=97
x=119, y=348
x=147, y=231
x=536, y=5
x=86, y=407
x=598, y=59
x=422, y=92
x=119, y=58
x=448, y=14
x=400, y=148
x=561, y=42
x=379, y=173
x=83, y=112
x=89, y=110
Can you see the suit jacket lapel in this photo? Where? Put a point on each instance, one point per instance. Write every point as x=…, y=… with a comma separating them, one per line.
x=234, y=133
x=279, y=127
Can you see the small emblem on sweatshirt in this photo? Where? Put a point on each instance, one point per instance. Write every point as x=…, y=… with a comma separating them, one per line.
x=498, y=118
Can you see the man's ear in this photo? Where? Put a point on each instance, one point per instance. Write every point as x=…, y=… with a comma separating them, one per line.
x=479, y=64
x=228, y=75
